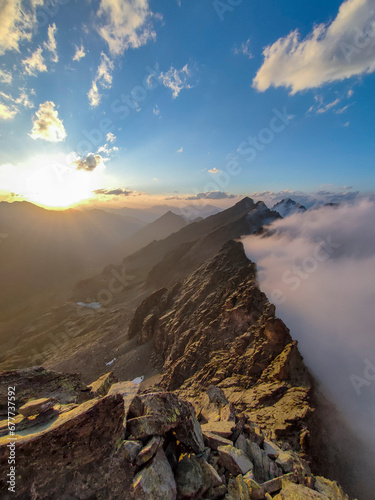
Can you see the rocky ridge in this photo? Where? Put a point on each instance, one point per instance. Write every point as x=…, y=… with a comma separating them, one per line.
x=122, y=443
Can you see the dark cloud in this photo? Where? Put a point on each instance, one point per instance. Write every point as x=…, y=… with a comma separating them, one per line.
x=114, y=192
x=89, y=163
x=212, y=195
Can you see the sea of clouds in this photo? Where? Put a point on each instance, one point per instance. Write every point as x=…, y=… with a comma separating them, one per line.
x=318, y=269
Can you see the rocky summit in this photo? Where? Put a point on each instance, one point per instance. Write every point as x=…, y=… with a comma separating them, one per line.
x=233, y=414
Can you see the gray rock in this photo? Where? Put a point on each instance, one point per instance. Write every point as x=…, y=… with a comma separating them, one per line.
x=211, y=478
x=285, y=461
x=237, y=489
x=156, y=480
x=256, y=456
x=272, y=450
x=234, y=460
x=216, y=395
x=189, y=477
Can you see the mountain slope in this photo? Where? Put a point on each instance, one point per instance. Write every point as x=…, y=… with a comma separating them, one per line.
x=288, y=207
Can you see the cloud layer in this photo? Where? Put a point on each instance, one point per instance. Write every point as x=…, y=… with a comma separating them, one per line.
x=334, y=51
x=318, y=268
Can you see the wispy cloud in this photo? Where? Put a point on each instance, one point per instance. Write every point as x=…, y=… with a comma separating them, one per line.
x=181, y=150
x=35, y=63
x=331, y=52
x=17, y=21
x=176, y=79
x=214, y=171
x=125, y=24
x=102, y=78
x=7, y=112
x=156, y=110
x=50, y=45
x=244, y=49
x=47, y=124
x=5, y=76
x=79, y=53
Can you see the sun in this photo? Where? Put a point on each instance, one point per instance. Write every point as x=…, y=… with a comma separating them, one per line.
x=52, y=181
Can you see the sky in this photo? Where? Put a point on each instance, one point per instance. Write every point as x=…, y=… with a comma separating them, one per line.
x=134, y=102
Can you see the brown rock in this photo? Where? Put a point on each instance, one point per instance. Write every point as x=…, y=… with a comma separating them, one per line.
x=213, y=441
x=223, y=429
x=234, y=460
x=37, y=406
x=100, y=387
x=149, y=450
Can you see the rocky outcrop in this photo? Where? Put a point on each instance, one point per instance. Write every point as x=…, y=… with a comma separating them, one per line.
x=152, y=448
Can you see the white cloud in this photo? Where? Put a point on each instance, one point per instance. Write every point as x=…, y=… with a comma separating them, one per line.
x=10, y=106
x=7, y=112
x=326, y=107
x=244, y=49
x=212, y=195
x=181, y=150
x=125, y=24
x=318, y=269
x=156, y=110
x=51, y=45
x=176, y=80
x=111, y=137
x=35, y=63
x=5, y=76
x=350, y=93
x=17, y=20
x=79, y=53
x=214, y=171
x=331, y=52
x=327, y=194
x=47, y=124
x=103, y=77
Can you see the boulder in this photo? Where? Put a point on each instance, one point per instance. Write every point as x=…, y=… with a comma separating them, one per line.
x=189, y=477
x=223, y=429
x=130, y=450
x=37, y=406
x=211, y=478
x=276, y=484
x=285, y=460
x=213, y=441
x=128, y=391
x=256, y=456
x=255, y=490
x=149, y=450
x=100, y=387
x=237, y=489
x=234, y=460
x=156, y=480
x=272, y=450
x=216, y=395
x=330, y=489
x=158, y=413
x=298, y=492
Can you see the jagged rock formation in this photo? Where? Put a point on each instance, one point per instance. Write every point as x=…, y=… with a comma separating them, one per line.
x=151, y=447
x=218, y=328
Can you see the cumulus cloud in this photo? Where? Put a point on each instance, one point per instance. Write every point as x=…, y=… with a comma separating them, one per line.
x=35, y=63
x=244, y=49
x=79, y=53
x=318, y=268
x=334, y=51
x=17, y=20
x=47, y=124
x=214, y=171
x=102, y=78
x=211, y=195
x=51, y=44
x=176, y=79
x=113, y=192
x=125, y=24
x=89, y=163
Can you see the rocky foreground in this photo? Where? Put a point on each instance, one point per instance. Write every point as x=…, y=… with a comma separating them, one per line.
x=110, y=441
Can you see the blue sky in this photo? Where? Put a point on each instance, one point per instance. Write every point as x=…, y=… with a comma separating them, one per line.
x=183, y=88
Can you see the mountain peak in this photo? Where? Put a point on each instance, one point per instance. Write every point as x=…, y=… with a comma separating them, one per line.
x=287, y=206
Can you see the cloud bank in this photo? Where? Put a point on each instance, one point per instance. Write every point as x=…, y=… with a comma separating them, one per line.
x=318, y=268
x=331, y=52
